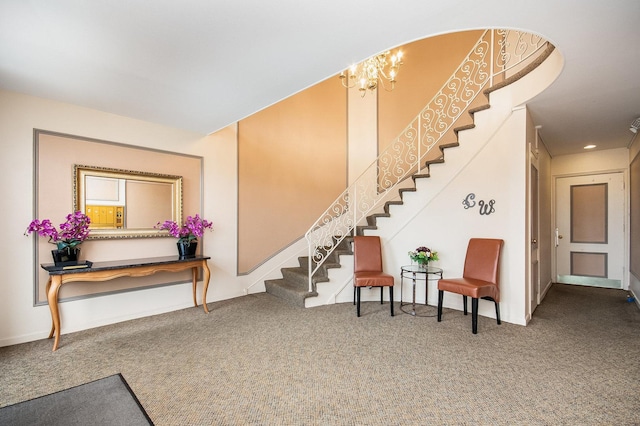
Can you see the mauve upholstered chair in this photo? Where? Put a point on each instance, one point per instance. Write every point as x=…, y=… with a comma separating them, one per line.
x=367, y=268
x=480, y=279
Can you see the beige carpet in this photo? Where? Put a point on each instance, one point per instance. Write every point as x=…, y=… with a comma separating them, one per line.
x=256, y=360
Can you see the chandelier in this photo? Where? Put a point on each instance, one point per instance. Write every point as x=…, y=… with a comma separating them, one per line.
x=379, y=69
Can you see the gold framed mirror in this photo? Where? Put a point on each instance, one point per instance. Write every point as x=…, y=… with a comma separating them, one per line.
x=126, y=203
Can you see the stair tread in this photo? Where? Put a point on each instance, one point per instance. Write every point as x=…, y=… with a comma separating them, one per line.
x=300, y=276
x=420, y=175
x=304, y=264
x=401, y=190
x=286, y=284
x=465, y=127
x=367, y=227
x=289, y=291
x=479, y=108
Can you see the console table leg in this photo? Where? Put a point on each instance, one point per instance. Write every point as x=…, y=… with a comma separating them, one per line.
x=194, y=279
x=52, y=298
x=46, y=291
x=205, y=284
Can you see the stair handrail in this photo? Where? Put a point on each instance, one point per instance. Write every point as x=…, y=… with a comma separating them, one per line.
x=496, y=55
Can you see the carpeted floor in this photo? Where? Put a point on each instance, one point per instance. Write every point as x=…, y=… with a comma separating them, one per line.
x=256, y=360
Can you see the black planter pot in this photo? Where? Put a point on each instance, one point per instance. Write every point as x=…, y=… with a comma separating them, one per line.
x=66, y=256
x=186, y=249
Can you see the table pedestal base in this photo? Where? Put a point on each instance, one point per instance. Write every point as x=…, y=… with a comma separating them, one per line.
x=418, y=273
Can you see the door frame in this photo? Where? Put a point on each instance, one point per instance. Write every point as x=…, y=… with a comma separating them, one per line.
x=534, y=238
x=533, y=296
x=554, y=219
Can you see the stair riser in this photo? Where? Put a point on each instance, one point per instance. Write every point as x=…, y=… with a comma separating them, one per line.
x=330, y=263
x=292, y=297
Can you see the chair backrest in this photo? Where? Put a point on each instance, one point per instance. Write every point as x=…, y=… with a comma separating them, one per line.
x=483, y=260
x=367, y=254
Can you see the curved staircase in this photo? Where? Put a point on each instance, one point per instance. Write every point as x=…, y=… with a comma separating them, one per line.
x=294, y=285
x=300, y=283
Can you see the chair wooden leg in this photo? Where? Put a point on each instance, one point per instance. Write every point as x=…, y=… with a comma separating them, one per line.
x=381, y=295
x=498, y=312
x=474, y=314
x=358, y=300
x=354, y=294
x=440, y=297
x=464, y=304
x=390, y=298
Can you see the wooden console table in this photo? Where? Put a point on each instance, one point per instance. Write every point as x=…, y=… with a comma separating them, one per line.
x=104, y=271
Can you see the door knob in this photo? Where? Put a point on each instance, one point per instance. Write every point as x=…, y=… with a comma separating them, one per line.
x=534, y=241
x=559, y=237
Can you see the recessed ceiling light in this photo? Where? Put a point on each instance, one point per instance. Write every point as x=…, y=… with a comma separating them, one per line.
x=589, y=147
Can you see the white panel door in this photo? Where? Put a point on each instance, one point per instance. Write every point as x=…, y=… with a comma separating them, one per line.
x=590, y=232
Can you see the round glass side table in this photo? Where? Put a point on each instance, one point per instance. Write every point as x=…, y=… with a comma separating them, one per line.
x=418, y=273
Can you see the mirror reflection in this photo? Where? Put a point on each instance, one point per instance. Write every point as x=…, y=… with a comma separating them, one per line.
x=125, y=203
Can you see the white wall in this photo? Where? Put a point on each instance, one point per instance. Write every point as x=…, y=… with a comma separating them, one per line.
x=497, y=172
x=590, y=162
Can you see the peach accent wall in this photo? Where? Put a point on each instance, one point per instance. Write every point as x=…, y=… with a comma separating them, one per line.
x=56, y=154
x=280, y=146
x=292, y=164
x=428, y=64
x=363, y=133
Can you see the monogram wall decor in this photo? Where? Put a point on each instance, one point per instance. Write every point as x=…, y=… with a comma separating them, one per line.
x=484, y=208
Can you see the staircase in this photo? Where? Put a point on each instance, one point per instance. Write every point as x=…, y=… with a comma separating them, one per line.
x=294, y=284
x=331, y=236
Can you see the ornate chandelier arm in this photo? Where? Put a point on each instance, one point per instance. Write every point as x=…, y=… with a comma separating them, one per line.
x=374, y=71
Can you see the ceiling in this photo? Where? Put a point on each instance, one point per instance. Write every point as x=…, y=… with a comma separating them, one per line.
x=200, y=65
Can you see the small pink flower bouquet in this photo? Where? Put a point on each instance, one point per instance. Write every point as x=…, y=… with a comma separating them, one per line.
x=423, y=255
